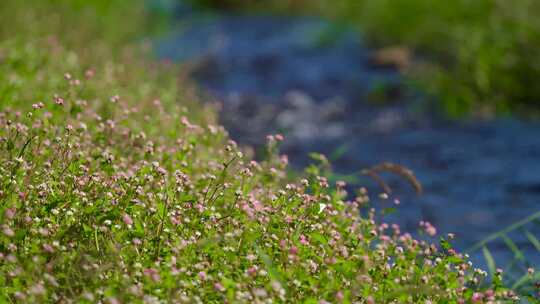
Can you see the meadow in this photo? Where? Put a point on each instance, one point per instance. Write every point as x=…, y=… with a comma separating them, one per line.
x=118, y=186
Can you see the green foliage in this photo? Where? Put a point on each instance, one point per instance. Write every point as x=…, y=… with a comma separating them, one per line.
x=480, y=55
x=116, y=187
x=525, y=282
x=481, y=52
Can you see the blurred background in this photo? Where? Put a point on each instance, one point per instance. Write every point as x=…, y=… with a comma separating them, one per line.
x=447, y=89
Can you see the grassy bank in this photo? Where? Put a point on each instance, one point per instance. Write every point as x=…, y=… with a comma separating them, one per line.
x=117, y=186
x=478, y=55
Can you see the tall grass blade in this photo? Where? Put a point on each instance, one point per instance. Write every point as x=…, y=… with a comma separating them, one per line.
x=489, y=260
x=526, y=278
x=504, y=231
x=533, y=240
x=517, y=253
x=339, y=152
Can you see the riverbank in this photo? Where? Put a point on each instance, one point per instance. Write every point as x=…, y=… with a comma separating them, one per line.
x=272, y=74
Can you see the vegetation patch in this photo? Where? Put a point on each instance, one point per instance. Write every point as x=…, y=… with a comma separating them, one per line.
x=477, y=56
x=115, y=186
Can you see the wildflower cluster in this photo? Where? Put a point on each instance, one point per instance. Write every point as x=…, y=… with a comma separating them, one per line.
x=114, y=188
x=94, y=208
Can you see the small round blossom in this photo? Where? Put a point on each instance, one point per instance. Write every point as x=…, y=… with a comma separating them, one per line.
x=8, y=231
x=10, y=213
x=202, y=275
x=152, y=274
x=477, y=297
x=127, y=219
x=219, y=287
x=428, y=228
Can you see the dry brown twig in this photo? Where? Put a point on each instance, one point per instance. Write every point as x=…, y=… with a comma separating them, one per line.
x=396, y=169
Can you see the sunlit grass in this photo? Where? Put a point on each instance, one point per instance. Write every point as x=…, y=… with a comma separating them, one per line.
x=117, y=186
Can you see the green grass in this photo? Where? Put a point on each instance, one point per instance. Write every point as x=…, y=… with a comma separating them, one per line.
x=522, y=277
x=476, y=56
x=481, y=54
x=117, y=186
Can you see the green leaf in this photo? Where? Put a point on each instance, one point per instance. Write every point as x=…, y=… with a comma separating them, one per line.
x=274, y=273
x=517, y=253
x=387, y=211
x=526, y=278
x=318, y=237
x=10, y=145
x=455, y=260
x=445, y=245
x=503, y=232
x=533, y=240
x=489, y=260
x=311, y=301
x=339, y=152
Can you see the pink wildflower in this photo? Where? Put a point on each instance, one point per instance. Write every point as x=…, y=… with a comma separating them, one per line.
x=258, y=206
x=303, y=240
x=252, y=271
x=10, y=213
x=293, y=250
x=152, y=274
x=477, y=297
x=48, y=248
x=89, y=74
x=202, y=275
x=428, y=228
x=58, y=100
x=8, y=231
x=127, y=219
x=219, y=287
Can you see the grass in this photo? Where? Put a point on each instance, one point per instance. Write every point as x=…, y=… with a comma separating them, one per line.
x=522, y=276
x=116, y=186
x=473, y=56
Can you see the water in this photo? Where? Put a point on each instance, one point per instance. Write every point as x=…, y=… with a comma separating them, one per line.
x=318, y=86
